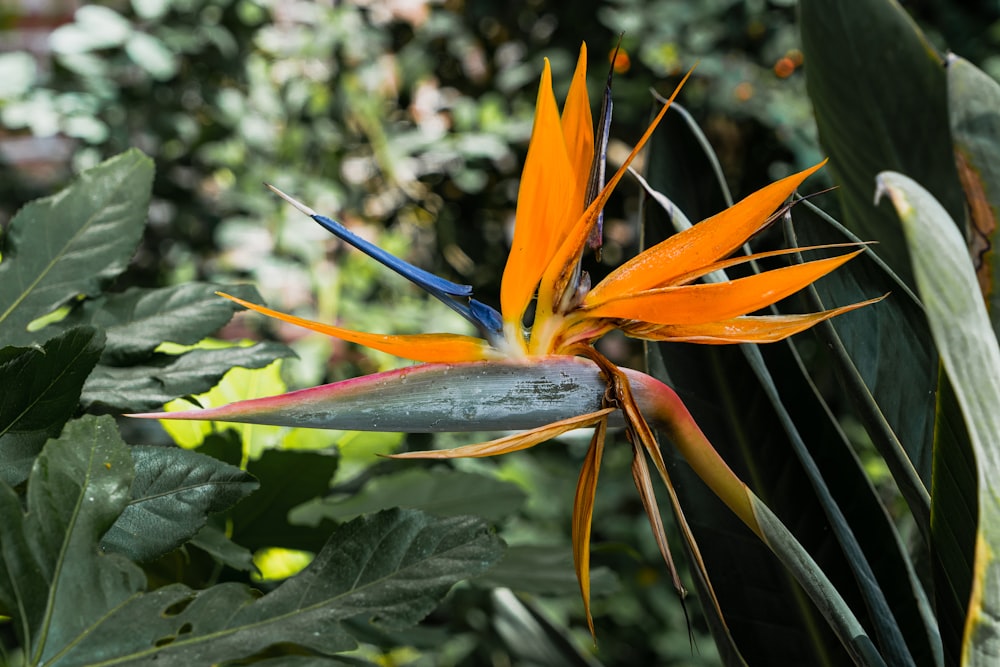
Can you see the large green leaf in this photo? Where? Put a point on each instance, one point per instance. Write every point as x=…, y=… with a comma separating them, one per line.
x=72, y=243
x=54, y=581
x=878, y=91
x=138, y=320
x=173, y=493
x=974, y=109
x=442, y=492
x=392, y=568
x=41, y=392
x=971, y=357
x=164, y=377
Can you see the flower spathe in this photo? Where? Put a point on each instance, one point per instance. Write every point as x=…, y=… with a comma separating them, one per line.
x=654, y=296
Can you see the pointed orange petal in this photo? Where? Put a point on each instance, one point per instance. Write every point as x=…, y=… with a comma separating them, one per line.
x=583, y=515
x=698, y=304
x=748, y=329
x=432, y=348
x=547, y=185
x=560, y=268
x=578, y=131
x=743, y=259
x=512, y=443
x=699, y=245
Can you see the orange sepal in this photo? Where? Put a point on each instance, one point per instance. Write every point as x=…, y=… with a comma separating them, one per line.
x=583, y=515
x=547, y=185
x=559, y=270
x=430, y=348
x=512, y=443
x=578, y=131
x=699, y=245
x=748, y=329
x=699, y=304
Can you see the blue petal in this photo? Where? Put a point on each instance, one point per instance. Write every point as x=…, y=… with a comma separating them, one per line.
x=485, y=318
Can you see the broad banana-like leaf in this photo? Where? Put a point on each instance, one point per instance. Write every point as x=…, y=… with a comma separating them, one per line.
x=971, y=357
x=974, y=110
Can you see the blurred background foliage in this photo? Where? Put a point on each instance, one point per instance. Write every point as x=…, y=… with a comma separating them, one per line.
x=408, y=120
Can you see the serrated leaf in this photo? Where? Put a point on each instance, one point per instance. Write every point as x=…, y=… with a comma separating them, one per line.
x=165, y=377
x=393, y=567
x=441, y=492
x=138, y=320
x=41, y=392
x=971, y=357
x=173, y=493
x=53, y=580
x=72, y=243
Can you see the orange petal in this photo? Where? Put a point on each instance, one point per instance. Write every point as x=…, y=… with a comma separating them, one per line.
x=583, y=515
x=743, y=259
x=749, y=329
x=559, y=270
x=578, y=131
x=698, y=304
x=547, y=185
x=432, y=348
x=512, y=443
x=699, y=245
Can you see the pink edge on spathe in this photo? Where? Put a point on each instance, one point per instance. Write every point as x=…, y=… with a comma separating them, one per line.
x=427, y=398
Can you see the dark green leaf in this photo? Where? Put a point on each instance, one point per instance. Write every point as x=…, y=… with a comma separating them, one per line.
x=213, y=541
x=165, y=377
x=287, y=479
x=442, y=492
x=53, y=577
x=393, y=567
x=41, y=392
x=173, y=493
x=878, y=91
x=138, y=320
x=735, y=399
x=72, y=243
x=545, y=570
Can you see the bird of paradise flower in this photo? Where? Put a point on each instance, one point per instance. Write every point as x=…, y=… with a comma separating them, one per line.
x=655, y=296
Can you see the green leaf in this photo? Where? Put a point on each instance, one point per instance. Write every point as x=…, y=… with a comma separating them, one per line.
x=545, y=570
x=393, y=568
x=876, y=84
x=44, y=385
x=165, y=377
x=138, y=320
x=287, y=479
x=971, y=357
x=173, y=493
x=53, y=580
x=213, y=541
x=443, y=492
x=72, y=243
x=974, y=109
x=805, y=469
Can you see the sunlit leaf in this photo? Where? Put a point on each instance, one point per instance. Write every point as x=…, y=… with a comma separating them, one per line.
x=72, y=243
